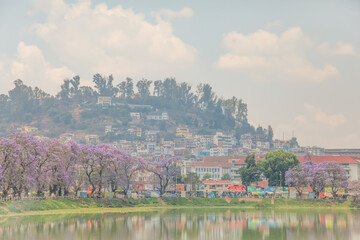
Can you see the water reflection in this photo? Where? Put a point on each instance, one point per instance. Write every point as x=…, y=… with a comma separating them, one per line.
x=187, y=224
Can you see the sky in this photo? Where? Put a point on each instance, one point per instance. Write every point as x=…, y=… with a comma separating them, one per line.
x=295, y=63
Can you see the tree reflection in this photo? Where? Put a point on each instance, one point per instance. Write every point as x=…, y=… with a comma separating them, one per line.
x=186, y=224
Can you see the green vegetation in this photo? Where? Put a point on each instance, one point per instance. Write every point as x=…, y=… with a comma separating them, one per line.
x=91, y=205
x=275, y=166
x=251, y=172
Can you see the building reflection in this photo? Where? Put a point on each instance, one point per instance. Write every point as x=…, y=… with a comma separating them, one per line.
x=188, y=224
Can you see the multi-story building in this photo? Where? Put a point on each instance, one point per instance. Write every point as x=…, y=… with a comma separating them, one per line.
x=152, y=136
x=223, y=140
x=203, y=140
x=354, y=152
x=215, y=169
x=219, y=151
x=183, y=132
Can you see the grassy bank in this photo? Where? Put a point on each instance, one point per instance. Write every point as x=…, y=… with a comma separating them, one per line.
x=89, y=205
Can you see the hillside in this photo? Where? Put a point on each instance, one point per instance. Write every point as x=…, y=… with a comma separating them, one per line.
x=83, y=110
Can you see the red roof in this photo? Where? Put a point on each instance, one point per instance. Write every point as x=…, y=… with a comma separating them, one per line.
x=322, y=159
x=242, y=160
x=217, y=181
x=211, y=164
x=218, y=159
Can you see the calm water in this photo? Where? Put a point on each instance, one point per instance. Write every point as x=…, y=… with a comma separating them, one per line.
x=187, y=224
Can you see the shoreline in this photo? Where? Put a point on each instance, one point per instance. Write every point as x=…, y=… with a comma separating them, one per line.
x=103, y=206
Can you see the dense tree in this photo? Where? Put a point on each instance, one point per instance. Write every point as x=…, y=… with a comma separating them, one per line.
x=259, y=130
x=206, y=97
x=21, y=100
x=122, y=89
x=250, y=173
x=64, y=94
x=275, y=166
x=143, y=87
x=75, y=87
x=294, y=142
x=129, y=87
x=169, y=89
x=193, y=179
x=157, y=88
x=206, y=176
x=105, y=85
x=270, y=134
x=226, y=176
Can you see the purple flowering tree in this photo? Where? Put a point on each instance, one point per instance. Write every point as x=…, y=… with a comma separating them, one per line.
x=354, y=187
x=103, y=157
x=297, y=177
x=336, y=177
x=56, y=153
x=68, y=170
x=317, y=177
x=31, y=151
x=123, y=169
x=164, y=170
x=9, y=155
x=88, y=163
x=95, y=161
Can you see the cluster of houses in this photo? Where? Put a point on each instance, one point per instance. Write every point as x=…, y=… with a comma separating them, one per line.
x=218, y=155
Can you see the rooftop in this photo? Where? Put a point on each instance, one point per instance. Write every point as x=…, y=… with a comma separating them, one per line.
x=322, y=159
x=211, y=164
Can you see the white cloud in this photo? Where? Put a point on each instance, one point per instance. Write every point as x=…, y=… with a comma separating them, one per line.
x=341, y=49
x=274, y=24
x=317, y=127
x=31, y=66
x=112, y=40
x=169, y=14
x=315, y=117
x=267, y=56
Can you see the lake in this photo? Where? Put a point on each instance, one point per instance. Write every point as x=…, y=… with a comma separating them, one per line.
x=223, y=223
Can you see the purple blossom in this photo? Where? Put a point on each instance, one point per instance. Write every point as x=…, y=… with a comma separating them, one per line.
x=164, y=170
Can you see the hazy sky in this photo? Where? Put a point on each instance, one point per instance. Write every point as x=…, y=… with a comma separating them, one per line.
x=295, y=63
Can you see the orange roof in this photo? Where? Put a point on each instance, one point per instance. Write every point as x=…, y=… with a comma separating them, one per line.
x=217, y=181
x=263, y=184
x=322, y=159
x=211, y=164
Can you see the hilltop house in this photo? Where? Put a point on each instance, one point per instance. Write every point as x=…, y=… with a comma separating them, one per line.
x=158, y=116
